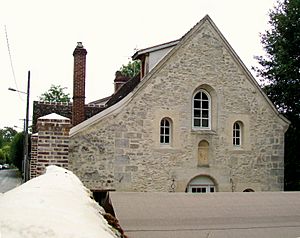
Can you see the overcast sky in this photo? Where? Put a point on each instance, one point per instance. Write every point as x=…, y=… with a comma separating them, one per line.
x=42, y=35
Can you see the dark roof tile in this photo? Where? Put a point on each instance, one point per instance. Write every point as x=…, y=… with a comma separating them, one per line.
x=124, y=91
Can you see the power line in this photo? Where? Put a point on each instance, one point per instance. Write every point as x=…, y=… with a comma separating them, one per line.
x=11, y=62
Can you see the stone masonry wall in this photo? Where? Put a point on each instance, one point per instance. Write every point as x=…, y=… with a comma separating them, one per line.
x=51, y=144
x=122, y=150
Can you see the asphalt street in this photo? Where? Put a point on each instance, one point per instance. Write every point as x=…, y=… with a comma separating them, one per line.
x=213, y=215
x=9, y=179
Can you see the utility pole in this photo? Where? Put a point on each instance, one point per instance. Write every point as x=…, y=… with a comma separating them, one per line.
x=26, y=157
x=25, y=163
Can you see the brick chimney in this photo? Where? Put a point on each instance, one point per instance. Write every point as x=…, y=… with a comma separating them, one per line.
x=78, y=114
x=120, y=80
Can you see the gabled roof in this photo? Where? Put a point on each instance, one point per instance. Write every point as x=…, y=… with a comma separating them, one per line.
x=247, y=72
x=177, y=46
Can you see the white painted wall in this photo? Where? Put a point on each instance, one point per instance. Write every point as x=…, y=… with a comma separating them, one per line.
x=156, y=56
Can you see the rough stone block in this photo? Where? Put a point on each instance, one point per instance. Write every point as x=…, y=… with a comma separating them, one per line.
x=122, y=143
x=131, y=168
x=123, y=177
x=122, y=159
x=134, y=146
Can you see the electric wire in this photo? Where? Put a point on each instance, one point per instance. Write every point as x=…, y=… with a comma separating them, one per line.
x=11, y=63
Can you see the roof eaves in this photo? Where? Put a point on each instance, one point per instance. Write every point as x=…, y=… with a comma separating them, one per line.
x=155, y=48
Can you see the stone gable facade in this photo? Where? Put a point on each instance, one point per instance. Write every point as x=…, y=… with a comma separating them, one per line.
x=121, y=147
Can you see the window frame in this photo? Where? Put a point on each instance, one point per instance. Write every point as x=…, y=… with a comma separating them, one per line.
x=202, y=184
x=236, y=137
x=201, y=127
x=202, y=188
x=165, y=135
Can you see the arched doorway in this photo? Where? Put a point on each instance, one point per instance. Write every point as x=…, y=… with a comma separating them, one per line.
x=201, y=184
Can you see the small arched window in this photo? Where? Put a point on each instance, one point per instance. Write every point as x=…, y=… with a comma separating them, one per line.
x=201, y=110
x=165, y=131
x=237, y=134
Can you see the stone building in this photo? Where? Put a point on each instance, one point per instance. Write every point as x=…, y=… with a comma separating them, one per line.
x=195, y=120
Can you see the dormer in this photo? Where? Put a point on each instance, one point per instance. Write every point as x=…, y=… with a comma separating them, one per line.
x=151, y=56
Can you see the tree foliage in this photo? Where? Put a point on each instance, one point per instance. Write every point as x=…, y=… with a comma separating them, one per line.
x=280, y=74
x=4, y=154
x=6, y=135
x=55, y=94
x=2, y=157
x=131, y=69
x=16, y=150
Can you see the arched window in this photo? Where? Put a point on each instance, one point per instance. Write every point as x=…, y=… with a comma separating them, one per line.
x=237, y=134
x=165, y=131
x=201, y=184
x=201, y=110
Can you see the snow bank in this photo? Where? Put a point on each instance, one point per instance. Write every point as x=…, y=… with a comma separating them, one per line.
x=55, y=204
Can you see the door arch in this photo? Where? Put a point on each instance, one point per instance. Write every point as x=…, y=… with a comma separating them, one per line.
x=201, y=184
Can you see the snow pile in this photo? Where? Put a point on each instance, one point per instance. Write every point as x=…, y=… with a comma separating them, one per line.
x=55, y=204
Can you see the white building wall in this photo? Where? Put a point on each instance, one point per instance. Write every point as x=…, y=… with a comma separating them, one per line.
x=156, y=56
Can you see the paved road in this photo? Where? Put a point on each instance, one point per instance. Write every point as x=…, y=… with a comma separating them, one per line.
x=213, y=215
x=9, y=179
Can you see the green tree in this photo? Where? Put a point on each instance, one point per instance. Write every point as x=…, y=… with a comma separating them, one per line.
x=55, y=94
x=2, y=157
x=280, y=74
x=131, y=69
x=1, y=141
x=6, y=151
x=16, y=150
x=6, y=135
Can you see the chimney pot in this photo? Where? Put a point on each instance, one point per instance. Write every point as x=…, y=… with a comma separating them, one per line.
x=120, y=80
